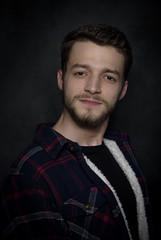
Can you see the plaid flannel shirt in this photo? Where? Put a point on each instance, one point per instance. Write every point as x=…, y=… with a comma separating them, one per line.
x=51, y=193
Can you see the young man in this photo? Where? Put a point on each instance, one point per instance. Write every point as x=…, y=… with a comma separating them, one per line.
x=78, y=179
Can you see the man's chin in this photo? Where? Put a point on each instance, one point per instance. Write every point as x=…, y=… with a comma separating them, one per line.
x=90, y=122
x=87, y=118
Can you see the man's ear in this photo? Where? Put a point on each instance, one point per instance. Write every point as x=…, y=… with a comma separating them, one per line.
x=124, y=90
x=60, y=79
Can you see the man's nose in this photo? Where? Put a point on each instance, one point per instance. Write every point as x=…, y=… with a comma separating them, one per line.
x=93, y=85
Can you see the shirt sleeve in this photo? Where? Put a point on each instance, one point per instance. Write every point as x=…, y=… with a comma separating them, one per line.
x=27, y=212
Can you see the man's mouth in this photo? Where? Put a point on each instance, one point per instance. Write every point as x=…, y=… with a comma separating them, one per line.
x=90, y=102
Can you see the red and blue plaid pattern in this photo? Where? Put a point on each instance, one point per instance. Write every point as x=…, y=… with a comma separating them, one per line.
x=51, y=193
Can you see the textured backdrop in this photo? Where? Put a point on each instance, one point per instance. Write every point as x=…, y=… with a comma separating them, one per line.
x=30, y=37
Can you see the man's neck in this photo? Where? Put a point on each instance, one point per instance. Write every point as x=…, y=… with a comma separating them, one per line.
x=83, y=136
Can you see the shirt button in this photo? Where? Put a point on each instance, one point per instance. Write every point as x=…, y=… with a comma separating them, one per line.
x=88, y=206
x=71, y=147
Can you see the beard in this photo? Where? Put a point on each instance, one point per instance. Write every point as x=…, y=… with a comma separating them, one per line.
x=88, y=119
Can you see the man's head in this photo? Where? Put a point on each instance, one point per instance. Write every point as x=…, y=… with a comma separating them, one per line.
x=102, y=35
x=95, y=62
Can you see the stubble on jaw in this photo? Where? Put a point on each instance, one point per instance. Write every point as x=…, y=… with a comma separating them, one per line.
x=87, y=120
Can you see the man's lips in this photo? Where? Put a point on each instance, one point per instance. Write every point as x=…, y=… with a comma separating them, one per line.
x=90, y=102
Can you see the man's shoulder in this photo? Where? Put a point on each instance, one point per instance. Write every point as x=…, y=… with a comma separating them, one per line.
x=32, y=158
x=41, y=155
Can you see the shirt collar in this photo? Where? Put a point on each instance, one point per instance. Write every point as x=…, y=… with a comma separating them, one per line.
x=49, y=139
x=53, y=142
x=116, y=135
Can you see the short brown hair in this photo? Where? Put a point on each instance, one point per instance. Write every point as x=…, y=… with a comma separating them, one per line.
x=100, y=34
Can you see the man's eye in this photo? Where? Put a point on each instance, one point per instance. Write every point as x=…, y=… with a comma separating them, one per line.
x=110, y=78
x=79, y=73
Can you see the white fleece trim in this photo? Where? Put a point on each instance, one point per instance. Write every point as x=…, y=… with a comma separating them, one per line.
x=129, y=173
x=105, y=180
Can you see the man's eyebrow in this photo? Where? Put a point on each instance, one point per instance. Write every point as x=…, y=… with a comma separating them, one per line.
x=77, y=65
x=104, y=70
x=111, y=71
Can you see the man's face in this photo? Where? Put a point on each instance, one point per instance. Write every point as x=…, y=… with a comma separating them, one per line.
x=93, y=83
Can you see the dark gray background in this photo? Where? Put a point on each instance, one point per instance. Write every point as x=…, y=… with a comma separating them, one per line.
x=30, y=37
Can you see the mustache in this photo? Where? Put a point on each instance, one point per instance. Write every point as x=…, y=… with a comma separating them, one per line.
x=97, y=98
